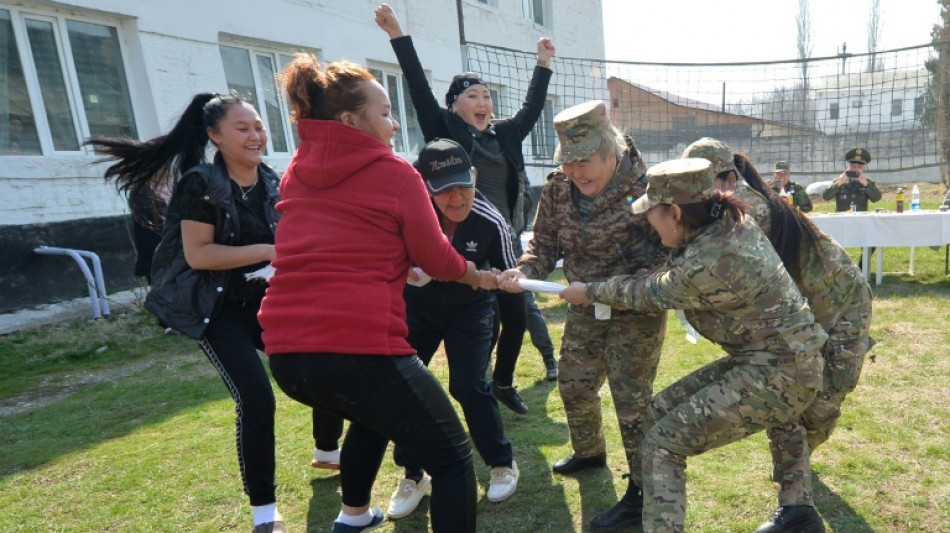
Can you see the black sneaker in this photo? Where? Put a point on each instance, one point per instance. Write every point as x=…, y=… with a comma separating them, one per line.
x=573, y=463
x=509, y=397
x=793, y=519
x=550, y=365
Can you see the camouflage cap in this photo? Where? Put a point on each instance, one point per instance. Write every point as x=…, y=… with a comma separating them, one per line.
x=680, y=181
x=715, y=151
x=781, y=166
x=580, y=130
x=858, y=155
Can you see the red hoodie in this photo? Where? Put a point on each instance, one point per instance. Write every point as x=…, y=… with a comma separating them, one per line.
x=354, y=217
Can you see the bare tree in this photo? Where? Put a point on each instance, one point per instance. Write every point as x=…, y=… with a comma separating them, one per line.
x=874, y=34
x=941, y=79
x=805, y=44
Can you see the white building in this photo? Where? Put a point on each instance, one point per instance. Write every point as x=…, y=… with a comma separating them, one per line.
x=866, y=102
x=72, y=69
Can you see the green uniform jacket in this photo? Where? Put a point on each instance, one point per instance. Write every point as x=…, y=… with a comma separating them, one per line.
x=613, y=241
x=852, y=192
x=798, y=193
x=734, y=291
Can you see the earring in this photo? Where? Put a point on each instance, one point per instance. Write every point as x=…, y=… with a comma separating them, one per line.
x=674, y=228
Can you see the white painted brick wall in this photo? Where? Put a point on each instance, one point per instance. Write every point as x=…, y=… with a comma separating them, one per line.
x=171, y=53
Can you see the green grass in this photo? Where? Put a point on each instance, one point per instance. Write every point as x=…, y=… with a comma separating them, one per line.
x=138, y=435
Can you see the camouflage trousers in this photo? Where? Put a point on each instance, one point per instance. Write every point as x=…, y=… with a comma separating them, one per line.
x=848, y=342
x=624, y=351
x=723, y=402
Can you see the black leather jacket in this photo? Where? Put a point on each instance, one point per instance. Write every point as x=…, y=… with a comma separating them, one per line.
x=438, y=122
x=186, y=299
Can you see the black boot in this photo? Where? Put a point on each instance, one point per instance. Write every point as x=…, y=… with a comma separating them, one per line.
x=627, y=513
x=793, y=519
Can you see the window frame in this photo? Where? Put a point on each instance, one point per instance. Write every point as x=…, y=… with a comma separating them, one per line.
x=834, y=111
x=547, y=12
x=544, y=130
x=401, y=102
x=19, y=18
x=274, y=54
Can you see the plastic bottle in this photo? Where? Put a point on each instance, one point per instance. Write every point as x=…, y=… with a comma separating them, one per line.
x=900, y=200
x=915, y=199
x=784, y=196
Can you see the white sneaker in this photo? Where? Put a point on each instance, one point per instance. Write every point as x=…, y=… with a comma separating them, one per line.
x=407, y=496
x=326, y=460
x=503, y=482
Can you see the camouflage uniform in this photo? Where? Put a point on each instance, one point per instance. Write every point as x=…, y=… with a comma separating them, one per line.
x=840, y=300
x=625, y=349
x=735, y=291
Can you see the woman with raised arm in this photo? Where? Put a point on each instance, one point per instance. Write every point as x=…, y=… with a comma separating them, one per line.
x=219, y=226
x=494, y=146
x=355, y=217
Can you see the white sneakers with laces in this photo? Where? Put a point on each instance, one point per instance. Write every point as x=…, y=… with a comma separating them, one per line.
x=504, y=481
x=407, y=496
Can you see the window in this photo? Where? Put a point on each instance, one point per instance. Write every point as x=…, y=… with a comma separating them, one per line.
x=543, y=135
x=833, y=111
x=252, y=74
x=408, y=140
x=538, y=11
x=61, y=80
x=897, y=107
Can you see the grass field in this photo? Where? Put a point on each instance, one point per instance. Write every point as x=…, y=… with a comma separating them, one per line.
x=112, y=426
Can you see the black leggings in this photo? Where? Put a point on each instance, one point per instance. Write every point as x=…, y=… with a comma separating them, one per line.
x=231, y=342
x=389, y=398
x=511, y=319
x=327, y=429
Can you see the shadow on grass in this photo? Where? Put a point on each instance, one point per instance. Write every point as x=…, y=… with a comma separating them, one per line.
x=112, y=409
x=836, y=511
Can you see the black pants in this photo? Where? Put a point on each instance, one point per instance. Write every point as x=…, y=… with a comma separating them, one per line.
x=327, y=430
x=388, y=398
x=231, y=342
x=467, y=336
x=511, y=321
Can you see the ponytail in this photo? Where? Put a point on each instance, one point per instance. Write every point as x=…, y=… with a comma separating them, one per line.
x=789, y=228
x=141, y=166
x=318, y=93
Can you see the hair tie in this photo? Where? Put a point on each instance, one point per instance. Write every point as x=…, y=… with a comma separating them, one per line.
x=716, y=210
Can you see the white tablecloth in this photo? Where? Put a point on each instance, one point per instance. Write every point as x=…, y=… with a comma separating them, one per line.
x=910, y=228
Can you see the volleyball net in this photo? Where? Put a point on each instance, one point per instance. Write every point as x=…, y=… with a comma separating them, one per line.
x=808, y=112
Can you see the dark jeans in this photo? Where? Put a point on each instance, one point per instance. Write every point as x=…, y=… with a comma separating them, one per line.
x=511, y=322
x=467, y=336
x=538, y=328
x=231, y=342
x=388, y=398
x=327, y=429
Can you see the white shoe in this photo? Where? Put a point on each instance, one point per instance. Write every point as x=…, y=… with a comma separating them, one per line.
x=407, y=496
x=326, y=460
x=504, y=481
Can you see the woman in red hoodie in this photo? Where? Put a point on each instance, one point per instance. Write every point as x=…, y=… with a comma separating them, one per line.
x=354, y=218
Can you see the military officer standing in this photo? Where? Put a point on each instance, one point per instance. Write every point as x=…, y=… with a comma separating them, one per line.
x=584, y=216
x=781, y=179
x=853, y=187
x=729, y=280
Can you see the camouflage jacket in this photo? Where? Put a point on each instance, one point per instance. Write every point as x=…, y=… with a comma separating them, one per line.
x=798, y=193
x=734, y=291
x=612, y=242
x=830, y=280
x=852, y=192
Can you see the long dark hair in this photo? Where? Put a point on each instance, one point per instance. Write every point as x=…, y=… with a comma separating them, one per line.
x=139, y=165
x=789, y=229
x=700, y=214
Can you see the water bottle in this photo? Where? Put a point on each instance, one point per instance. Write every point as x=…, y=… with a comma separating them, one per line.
x=900, y=200
x=784, y=196
x=915, y=199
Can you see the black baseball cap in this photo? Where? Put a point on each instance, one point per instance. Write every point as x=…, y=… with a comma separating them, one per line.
x=444, y=164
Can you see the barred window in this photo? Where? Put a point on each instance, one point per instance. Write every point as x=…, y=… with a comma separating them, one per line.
x=408, y=140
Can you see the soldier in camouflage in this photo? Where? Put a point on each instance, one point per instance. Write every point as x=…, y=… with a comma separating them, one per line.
x=727, y=277
x=584, y=217
x=840, y=300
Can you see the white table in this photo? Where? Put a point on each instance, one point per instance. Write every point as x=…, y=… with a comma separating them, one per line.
x=910, y=228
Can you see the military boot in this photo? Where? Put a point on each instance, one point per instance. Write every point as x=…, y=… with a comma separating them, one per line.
x=627, y=513
x=793, y=519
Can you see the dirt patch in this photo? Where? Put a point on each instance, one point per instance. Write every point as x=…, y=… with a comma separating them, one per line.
x=56, y=387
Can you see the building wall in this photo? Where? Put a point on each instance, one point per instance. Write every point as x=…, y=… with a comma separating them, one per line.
x=170, y=51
